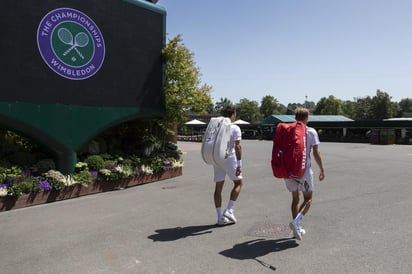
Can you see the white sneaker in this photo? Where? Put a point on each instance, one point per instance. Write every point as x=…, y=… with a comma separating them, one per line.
x=230, y=215
x=302, y=230
x=296, y=232
x=223, y=221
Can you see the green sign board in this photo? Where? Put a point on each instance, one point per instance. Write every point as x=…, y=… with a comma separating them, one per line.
x=71, y=69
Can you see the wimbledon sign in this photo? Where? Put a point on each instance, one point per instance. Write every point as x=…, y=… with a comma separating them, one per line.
x=70, y=43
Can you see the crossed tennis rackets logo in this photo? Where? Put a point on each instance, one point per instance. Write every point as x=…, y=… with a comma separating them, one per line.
x=80, y=40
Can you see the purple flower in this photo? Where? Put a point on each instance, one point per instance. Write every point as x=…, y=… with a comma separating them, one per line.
x=44, y=185
x=93, y=173
x=3, y=185
x=11, y=180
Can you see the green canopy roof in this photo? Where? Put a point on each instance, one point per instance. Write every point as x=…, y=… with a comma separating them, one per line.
x=274, y=119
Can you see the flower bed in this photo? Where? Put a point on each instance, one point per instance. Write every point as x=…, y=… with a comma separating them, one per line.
x=77, y=190
x=128, y=155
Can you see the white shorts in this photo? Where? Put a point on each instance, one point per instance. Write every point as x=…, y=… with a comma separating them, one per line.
x=229, y=169
x=304, y=184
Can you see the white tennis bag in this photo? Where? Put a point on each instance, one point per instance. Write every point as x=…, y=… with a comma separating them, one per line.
x=216, y=141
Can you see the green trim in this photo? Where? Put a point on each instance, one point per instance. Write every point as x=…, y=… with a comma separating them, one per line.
x=147, y=5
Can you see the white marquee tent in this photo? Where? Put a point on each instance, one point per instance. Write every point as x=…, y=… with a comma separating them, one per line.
x=195, y=122
x=241, y=122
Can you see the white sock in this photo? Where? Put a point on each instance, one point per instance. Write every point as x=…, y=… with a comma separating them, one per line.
x=298, y=218
x=230, y=205
x=219, y=212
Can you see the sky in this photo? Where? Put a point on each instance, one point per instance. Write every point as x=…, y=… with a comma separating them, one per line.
x=297, y=50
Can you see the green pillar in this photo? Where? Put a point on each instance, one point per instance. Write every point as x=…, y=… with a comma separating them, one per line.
x=66, y=161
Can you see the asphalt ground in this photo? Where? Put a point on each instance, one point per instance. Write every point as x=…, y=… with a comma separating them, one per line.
x=359, y=222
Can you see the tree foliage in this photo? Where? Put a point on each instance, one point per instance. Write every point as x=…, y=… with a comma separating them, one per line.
x=329, y=106
x=405, y=107
x=375, y=108
x=348, y=108
x=248, y=110
x=378, y=107
x=363, y=108
x=183, y=90
x=382, y=106
x=269, y=106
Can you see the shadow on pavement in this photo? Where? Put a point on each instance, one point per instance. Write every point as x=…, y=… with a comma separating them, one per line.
x=176, y=233
x=258, y=248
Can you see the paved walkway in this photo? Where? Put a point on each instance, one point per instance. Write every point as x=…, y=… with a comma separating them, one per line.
x=359, y=222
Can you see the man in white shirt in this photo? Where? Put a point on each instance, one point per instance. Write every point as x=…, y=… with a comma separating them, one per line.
x=232, y=168
x=304, y=184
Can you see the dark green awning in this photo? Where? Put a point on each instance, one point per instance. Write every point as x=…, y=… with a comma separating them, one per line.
x=274, y=119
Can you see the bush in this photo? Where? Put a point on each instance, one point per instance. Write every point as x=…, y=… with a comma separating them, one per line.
x=14, y=190
x=133, y=160
x=94, y=162
x=84, y=177
x=109, y=164
x=28, y=185
x=55, y=179
x=8, y=173
x=156, y=164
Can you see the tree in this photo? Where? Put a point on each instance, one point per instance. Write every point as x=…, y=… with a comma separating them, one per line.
x=248, y=110
x=202, y=99
x=222, y=104
x=363, y=108
x=282, y=109
x=210, y=109
x=405, y=107
x=382, y=106
x=348, y=108
x=268, y=106
x=328, y=106
x=183, y=89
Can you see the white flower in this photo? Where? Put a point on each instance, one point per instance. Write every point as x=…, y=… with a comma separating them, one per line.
x=3, y=191
x=69, y=181
x=105, y=172
x=124, y=170
x=147, y=170
x=177, y=164
x=56, y=175
x=81, y=165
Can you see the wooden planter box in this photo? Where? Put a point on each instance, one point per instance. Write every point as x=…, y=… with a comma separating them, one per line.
x=42, y=197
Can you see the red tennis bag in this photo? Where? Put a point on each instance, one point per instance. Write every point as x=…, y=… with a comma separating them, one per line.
x=289, y=150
